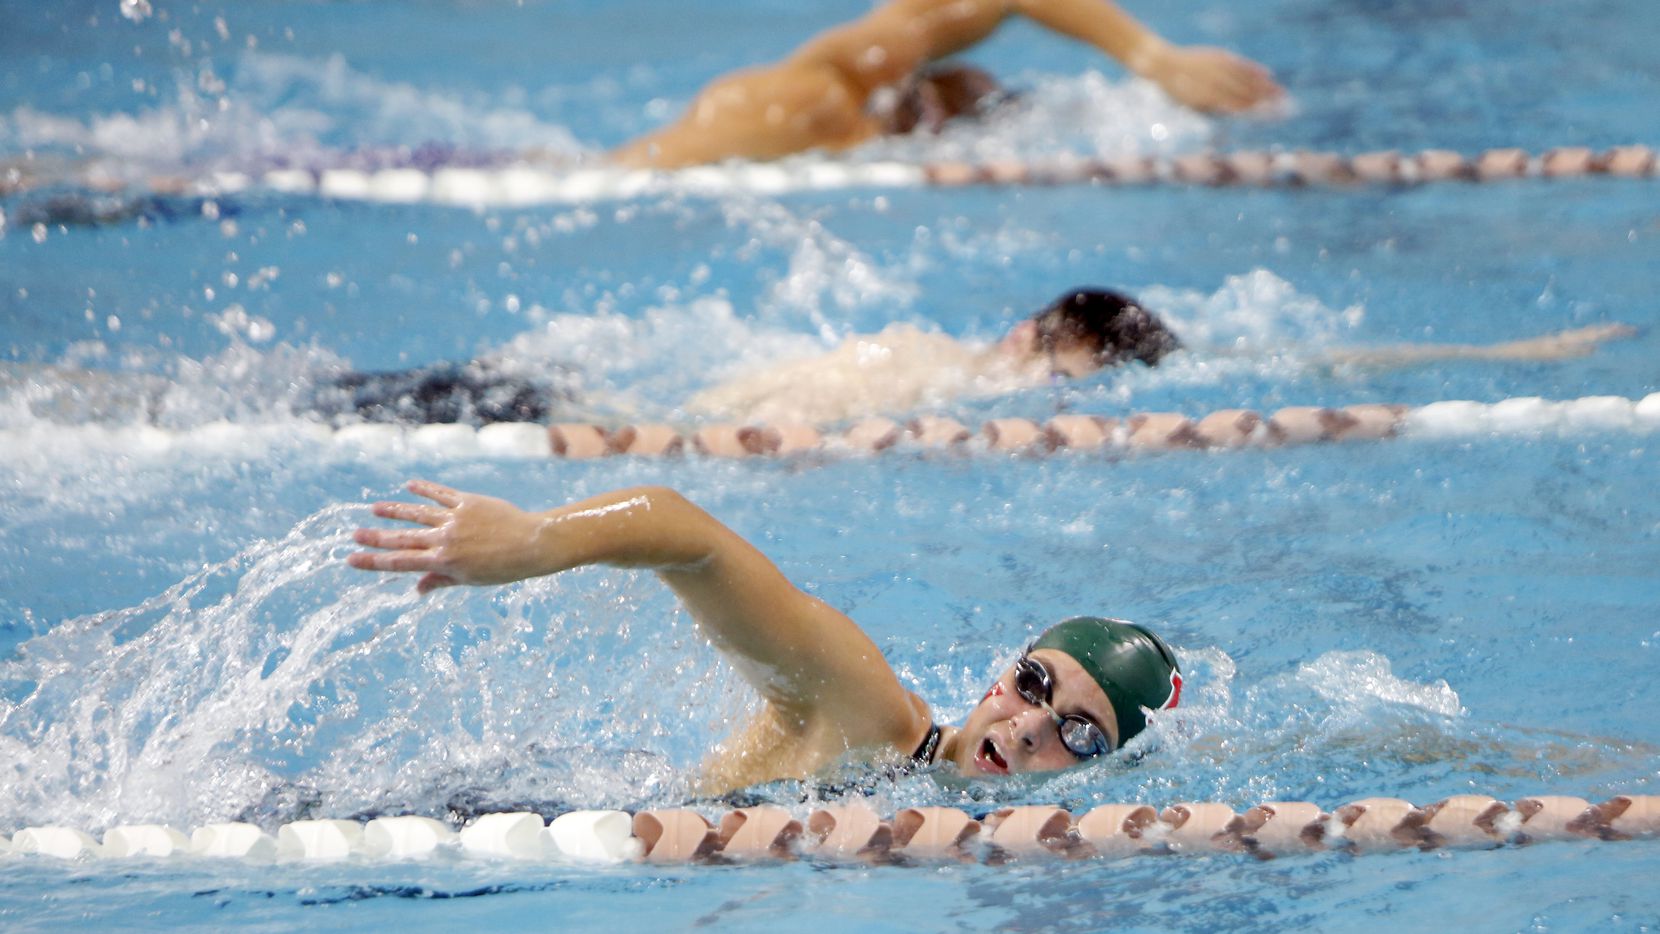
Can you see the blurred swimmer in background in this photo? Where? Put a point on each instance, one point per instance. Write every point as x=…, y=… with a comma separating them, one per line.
x=900, y=370
x=903, y=368
x=879, y=75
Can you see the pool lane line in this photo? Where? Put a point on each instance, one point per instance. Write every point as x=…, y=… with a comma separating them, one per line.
x=1082, y=433
x=527, y=184
x=854, y=832
x=1226, y=429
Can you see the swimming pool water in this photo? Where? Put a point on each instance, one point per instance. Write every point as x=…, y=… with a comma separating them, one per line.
x=1416, y=619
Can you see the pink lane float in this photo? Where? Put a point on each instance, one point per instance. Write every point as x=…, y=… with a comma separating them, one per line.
x=1142, y=432
x=1070, y=434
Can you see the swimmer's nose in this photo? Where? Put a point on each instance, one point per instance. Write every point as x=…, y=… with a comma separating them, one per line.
x=1030, y=728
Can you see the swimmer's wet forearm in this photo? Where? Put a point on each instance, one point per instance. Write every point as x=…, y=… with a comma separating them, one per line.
x=639, y=527
x=1100, y=23
x=474, y=539
x=1203, y=78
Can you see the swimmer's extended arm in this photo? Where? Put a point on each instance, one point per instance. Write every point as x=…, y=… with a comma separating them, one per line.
x=817, y=96
x=803, y=655
x=1562, y=345
x=1202, y=78
x=893, y=40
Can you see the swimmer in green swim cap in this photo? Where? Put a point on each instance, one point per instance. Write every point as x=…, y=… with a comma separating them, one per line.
x=1085, y=682
x=1080, y=690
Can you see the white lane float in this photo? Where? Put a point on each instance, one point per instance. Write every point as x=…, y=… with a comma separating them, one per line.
x=319, y=840
x=516, y=835
x=594, y=837
x=59, y=842
x=144, y=840
x=445, y=440
x=514, y=439
x=233, y=839
x=406, y=837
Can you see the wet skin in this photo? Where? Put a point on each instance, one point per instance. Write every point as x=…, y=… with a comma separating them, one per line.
x=1072, y=359
x=1006, y=734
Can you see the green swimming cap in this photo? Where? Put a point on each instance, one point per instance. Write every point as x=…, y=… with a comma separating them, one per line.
x=1134, y=667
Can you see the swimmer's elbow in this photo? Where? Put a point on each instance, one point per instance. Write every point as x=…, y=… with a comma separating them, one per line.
x=663, y=498
x=680, y=534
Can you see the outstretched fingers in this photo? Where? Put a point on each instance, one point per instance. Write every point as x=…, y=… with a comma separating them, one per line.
x=422, y=560
x=406, y=549
x=437, y=492
x=1246, y=84
x=397, y=538
x=411, y=512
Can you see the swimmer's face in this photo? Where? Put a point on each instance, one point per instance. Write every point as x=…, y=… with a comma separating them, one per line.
x=1072, y=359
x=1007, y=733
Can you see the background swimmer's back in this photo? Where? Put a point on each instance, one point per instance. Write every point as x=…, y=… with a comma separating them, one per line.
x=900, y=369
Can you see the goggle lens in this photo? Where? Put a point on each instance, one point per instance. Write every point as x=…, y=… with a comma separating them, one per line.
x=1035, y=685
x=1083, y=738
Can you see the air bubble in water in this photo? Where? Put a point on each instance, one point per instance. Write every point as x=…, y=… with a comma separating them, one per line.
x=136, y=10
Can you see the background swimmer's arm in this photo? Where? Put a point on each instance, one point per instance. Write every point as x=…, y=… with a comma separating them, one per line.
x=804, y=656
x=1202, y=78
x=1562, y=345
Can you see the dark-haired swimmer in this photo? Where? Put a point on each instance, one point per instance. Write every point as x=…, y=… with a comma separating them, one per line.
x=900, y=370
x=1079, y=691
x=871, y=77
x=903, y=368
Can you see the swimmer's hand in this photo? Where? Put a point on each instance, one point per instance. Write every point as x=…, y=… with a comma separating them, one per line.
x=1207, y=79
x=1563, y=345
x=469, y=539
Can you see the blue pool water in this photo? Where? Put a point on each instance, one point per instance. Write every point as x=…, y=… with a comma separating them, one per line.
x=179, y=641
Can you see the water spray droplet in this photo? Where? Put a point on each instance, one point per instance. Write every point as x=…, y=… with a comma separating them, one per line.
x=136, y=10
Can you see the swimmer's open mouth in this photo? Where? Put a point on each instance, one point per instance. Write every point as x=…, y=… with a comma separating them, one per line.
x=990, y=760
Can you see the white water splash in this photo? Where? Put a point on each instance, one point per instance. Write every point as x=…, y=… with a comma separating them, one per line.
x=1257, y=311
x=1054, y=116
x=136, y=10
x=282, y=107
x=822, y=268
x=280, y=683
x=1362, y=679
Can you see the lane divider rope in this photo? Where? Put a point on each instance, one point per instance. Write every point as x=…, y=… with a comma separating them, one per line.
x=1144, y=432
x=526, y=184
x=854, y=831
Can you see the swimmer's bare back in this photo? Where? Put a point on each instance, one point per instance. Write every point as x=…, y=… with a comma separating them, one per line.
x=819, y=97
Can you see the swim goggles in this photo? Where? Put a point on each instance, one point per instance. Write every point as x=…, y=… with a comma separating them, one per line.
x=1080, y=735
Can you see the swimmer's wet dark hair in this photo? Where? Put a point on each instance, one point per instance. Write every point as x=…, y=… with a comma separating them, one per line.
x=1111, y=324
x=940, y=93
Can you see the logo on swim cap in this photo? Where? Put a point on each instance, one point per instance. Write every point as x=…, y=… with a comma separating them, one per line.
x=1133, y=667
